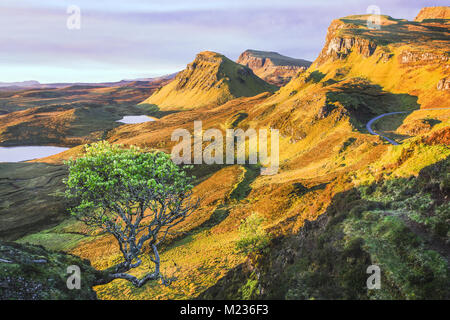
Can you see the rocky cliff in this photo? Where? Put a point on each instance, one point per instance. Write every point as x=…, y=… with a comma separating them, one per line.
x=433, y=13
x=401, y=56
x=272, y=66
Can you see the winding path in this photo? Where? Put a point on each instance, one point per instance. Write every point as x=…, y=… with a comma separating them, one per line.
x=369, y=124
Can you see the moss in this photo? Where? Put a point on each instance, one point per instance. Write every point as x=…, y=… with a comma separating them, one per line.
x=250, y=288
x=34, y=273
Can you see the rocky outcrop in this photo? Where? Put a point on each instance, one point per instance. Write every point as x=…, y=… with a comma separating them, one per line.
x=408, y=56
x=338, y=45
x=30, y=272
x=272, y=66
x=211, y=79
x=433, y=13
x=444, y=84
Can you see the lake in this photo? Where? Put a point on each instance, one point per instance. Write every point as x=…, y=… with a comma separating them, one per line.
x=136, y=119
x=17, y=154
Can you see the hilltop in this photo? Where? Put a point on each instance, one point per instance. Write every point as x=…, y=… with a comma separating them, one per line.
x=433, y=13
x=402, y=56
x=211, y=79
x=272, y=66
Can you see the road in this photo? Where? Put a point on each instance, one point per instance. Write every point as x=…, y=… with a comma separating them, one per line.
x=369, y=124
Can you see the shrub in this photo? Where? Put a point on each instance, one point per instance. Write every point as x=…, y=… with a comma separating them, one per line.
x=253, y=238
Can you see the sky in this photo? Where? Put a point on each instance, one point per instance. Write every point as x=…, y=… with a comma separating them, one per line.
x=130, y=39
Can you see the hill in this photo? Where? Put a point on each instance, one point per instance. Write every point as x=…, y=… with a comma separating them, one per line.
x=30, y=200
x=343, y=199
x=272, y=66
x=433, y=13
x=402, y=56
x=211, y=79
x=72, y=115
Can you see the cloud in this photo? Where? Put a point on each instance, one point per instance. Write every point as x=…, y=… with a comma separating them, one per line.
x=161, y=36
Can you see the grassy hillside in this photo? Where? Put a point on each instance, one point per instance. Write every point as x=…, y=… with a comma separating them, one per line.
x=402, y=57
x=211, y=79
x=370, y=202
x=29, y=198
x=70, y=116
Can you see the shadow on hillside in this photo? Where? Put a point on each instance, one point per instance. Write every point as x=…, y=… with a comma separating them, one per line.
x=315, y=76
x=364, y=101
x=396, y=224
x=399, y=32
x=243, y=189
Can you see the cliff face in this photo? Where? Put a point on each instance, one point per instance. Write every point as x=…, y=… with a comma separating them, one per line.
x=273, y=67
x=211, y=79
x=401, y=56
x=433, y=13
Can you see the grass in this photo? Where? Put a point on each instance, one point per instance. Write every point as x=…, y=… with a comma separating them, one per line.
x=368, y=196
x=202, y=259
x=211, y=79
x=24, y=278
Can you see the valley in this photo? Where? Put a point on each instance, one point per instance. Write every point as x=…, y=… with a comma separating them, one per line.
x=363, y=169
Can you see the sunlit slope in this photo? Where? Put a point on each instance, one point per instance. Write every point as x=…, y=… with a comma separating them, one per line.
x=211, y=79
x=402, y=56
x=433, y=13
x=365, y=189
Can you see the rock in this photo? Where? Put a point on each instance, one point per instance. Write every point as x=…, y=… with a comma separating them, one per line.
x=340, y=48
x=433, y=13
x=39, y=261
x=325, y=111
x=44, y=278
x=272, y=66
x=422, y=57
x=444, y=84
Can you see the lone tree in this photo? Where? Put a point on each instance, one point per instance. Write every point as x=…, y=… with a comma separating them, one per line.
x=137, y=197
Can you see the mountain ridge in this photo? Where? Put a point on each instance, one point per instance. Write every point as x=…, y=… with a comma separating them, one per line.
x=271, y=66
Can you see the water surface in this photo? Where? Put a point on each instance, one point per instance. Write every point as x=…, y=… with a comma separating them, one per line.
x=17, y=154
x=135, y=119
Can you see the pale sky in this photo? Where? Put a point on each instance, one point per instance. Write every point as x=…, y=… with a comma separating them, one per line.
x=137, y=38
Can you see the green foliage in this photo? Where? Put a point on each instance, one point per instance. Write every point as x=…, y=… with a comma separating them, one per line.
x=253, y=238
x=30, y=272
x=148, y=108
x=250, y=289
x=134, y=195
x=408, y=270
x=315, y=76
x=243, y=189
x=422, y=199
x=111, y=176
x=389, y=224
